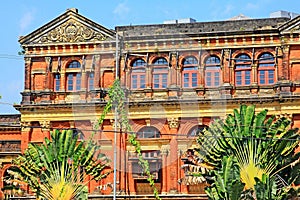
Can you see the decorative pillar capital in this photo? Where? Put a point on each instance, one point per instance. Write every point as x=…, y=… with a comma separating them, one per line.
x=165, y=149
x=226, y=53
x=25, y=126
x=173, y=123
x=45, y=124
x=27, y=60
x=112, y=122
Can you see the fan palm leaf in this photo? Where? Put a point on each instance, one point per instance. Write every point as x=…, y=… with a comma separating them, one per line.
x=58, y=168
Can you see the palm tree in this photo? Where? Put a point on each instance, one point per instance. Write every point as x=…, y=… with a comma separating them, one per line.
x=261, y=145
x=58, y=169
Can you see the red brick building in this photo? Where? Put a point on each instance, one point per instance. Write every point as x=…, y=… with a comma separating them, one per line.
x=177, y=77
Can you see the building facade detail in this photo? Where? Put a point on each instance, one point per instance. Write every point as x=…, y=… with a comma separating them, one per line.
x=177, y=79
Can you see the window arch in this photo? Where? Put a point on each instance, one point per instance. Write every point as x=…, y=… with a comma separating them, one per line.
x=243, y=70
x=138, y=74
x=74, y=64
x=190, y=73
x=194, y=132
x=73, y=77
x=212, y=71
x=266, y=69
x=160, y=73
x=148, y=132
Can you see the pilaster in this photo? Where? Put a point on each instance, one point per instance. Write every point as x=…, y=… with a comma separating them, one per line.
x=45, y=128
x=25, y=134
x=165, y=174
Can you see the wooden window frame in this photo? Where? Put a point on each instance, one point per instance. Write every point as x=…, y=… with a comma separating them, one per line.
x=138, y=74
x=91, y=81
x=74, y=81
x=242, y=71
x=190, y=72
x=160, y=74
x=146, y=130
x=266, y=69
x=57, y=80
x=213, y=72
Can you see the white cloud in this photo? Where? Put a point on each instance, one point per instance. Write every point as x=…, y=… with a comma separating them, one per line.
x=121, y=10
x=26, y=20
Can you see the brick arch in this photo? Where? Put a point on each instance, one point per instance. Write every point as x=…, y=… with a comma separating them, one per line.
x=152, y=58
x=186, y=55
x=131, y=60
x=212, y=55
x=67, y=61
x=187, y=127
x=238, y=52
x=136, y=126
x=262, y=51
x=3, y=170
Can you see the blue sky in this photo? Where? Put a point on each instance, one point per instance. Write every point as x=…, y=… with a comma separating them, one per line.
x=21, y=17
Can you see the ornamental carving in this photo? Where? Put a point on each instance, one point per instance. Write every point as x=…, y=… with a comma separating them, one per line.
x=173, y=123
x=72, y=31
x=25, y=126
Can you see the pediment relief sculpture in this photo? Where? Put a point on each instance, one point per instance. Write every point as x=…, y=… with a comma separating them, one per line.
x=72, y=31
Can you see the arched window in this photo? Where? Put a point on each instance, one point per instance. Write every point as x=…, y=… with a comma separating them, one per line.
x=243, y=70
x=194, y=132
x=138, y=74
x=57, y=82
x=74, y=64
x=91, y=81
x=212, y=72
x=190, y=72
x=148, y=132
x=266, y=69
x=74, y=77
x=160, y=73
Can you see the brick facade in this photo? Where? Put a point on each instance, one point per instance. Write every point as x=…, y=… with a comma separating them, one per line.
x=157, y=95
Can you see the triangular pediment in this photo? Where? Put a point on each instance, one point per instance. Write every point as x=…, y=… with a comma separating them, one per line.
x=292, y=25
x=70, y=27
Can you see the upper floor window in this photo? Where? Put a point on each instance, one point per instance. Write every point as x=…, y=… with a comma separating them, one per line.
x=266, y=69
x=138, y=74
x=243, y=70
x=74, y=64
x=161, y=61
x=190, y=73
x=160, y=73
x=56, y=82
x=91, y=81
x=212, y=71
x=148, y=132
x=73, y=78
x=73, y=82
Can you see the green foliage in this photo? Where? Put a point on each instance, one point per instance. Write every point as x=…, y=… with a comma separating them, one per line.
x=52, y=169
x=226, y=181
x=117, y=100
x=262, y=146
x=266, y=188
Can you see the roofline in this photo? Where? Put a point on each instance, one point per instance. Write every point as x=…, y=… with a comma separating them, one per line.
x=22, y=39
x=207, y=22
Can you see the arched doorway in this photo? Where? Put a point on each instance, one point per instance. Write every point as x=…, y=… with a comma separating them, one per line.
x=154, y=158
x=11, y=188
